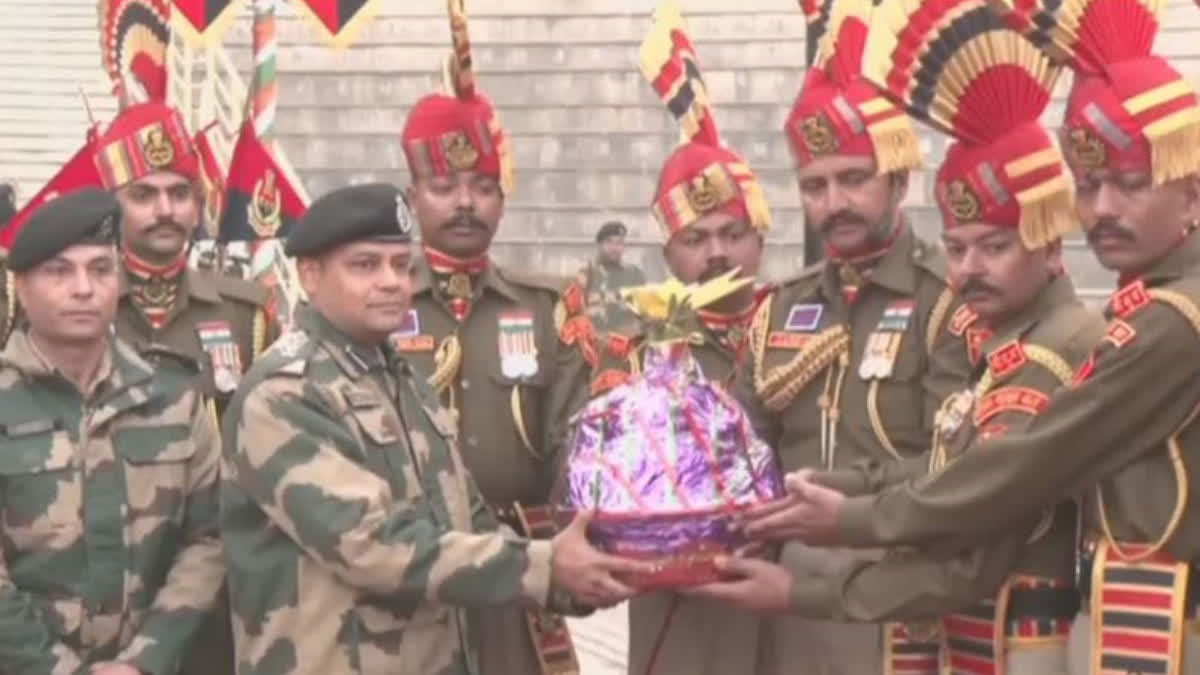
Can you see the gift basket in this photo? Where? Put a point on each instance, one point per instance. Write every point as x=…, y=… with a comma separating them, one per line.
x=667, y=460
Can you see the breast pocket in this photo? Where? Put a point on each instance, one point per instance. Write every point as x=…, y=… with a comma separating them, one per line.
x=39, y=490
x=157, y=462
x=896, y=401
x=523, y=400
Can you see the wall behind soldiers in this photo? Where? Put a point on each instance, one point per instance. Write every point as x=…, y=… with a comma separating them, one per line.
x=588, y=133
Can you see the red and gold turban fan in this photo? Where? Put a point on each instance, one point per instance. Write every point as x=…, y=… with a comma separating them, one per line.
x=701, y=177
x=838, y=112
x=1128, y=108
x=955, y=65
x=458, y=130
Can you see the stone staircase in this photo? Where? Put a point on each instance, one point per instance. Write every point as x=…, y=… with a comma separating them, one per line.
x=587, y=132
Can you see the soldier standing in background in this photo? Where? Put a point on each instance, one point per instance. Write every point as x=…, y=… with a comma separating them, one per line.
x=354, y=531
x=108, y=468
x=604, y=276
x=713, y=216
x=852, y=357
x=148, y=160
x=486, y=337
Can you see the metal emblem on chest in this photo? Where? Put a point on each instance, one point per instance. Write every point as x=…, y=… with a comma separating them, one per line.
x=518, y=344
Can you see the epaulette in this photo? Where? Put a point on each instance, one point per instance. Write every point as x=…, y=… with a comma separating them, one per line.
x=618, y=347
x=931, y=258
x=962, y=319
x=808, y=274
x=1013, y=355
x=546, y=282
x=289, y=354
x=1134, y=297
x=249, y=292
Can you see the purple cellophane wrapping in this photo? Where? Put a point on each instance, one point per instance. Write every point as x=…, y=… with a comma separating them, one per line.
x=666, y=461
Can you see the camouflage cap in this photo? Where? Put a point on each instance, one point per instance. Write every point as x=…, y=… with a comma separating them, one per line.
x=375, y=211
x=86, y=216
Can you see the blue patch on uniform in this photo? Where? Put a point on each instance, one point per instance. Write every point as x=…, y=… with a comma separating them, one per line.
x=410, y=327
x=804, y=318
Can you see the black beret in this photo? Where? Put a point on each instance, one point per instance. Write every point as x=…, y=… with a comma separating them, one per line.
x=86, y=216
x=371, y=211
x=612, y=228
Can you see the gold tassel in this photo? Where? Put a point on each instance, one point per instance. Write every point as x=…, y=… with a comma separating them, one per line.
x=756, y=205
x=1047, y=212
x=897, y=147
x=1173, y=145
x=445, y=364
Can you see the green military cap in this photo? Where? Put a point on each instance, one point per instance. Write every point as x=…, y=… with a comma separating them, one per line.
x=375, y=211
x=86, y=216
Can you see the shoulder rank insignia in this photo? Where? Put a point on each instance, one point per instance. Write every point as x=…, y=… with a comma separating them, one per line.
x=1119, y=333
x=883, y=344
x=975, y=339
x=963, y=317
x=1129, y=299
x=1010, y=399
x=1007, y=358
x=518, y=344
x=217, y=341
x=619, y=345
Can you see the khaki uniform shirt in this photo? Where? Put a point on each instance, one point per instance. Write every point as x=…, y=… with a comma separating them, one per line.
x=108, y=513
x=1126, y=428
x=835, y=384
x=495, y=370
x=1020, y=365
x=217, y=320
x=354, y=531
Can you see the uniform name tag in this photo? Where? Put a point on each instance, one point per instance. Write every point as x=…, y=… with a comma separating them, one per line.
x=414, y=343
x=30, y=428
x=781, y=340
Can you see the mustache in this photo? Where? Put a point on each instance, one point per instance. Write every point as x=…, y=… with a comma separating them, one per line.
x=715, y=269
x=843, y=217
x=1109, y=227
x=465, y=219
x=976, y=285
x=167, y=224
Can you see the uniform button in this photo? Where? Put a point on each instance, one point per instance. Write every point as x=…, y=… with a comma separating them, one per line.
x=472, y=441
x=466, y=384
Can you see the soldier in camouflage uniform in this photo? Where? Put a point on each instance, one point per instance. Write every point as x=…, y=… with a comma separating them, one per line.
x=108, y=468
x=485, y=335
x=355, y=533
x=146, y=157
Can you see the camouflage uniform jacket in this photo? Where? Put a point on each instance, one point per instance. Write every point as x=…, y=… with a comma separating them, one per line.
x=353, y=530
x=108, y=513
